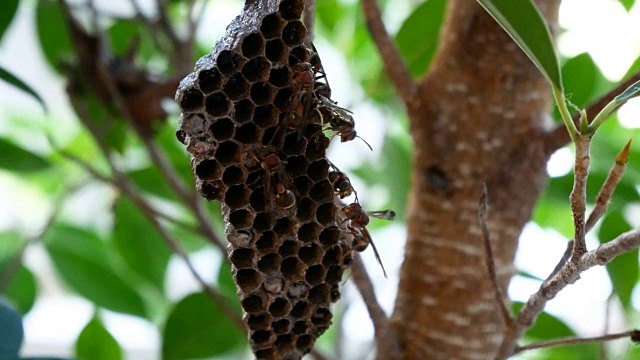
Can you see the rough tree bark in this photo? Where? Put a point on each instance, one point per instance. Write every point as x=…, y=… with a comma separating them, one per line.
x=479, y=116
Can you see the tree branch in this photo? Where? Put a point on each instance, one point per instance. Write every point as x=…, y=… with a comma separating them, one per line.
x=159, y=159
x=394, y=66
x=559, y=137
x=483, y=205
x=578, y=195
x=365, y=286
x=148, y=212
x=575, y=341
x=568, y=274
x=610, y=184
x=386, y=341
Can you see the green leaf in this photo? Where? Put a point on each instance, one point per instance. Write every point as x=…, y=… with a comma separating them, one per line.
x=392, y=171
x=53, y=33
x=22, y=290
x=580, y=78
x=139, y=243
x=8, y=9
x=11, y=330
x=631, y=92
x=150, y=180
x=628, y=4
x=623, y=270
x=227, y=286
x=329, y=13
x=15, y=158
x=197, y=328
x=418, y=37
x=547, y=326
x=123, y=32
x=10, y=244
x=96, y=343
x=21, y=85
x=522, y=20
x=80, y=258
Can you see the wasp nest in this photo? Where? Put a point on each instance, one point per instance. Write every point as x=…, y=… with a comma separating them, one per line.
x=252, y=119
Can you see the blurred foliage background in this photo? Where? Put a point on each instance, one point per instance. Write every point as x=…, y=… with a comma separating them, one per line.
x=69, y=225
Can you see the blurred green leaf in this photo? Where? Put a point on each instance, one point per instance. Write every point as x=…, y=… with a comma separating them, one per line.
x=579, y=75
x=8, y=77
x=392, y=171
x=554, y=214
x=418, y=37
x=550, y=327
x=329, y=13
x=196, y=328
x=80, y=258
x=522, y=20
x=139, y=243
x=96, y=343
x=53, y=33
x=8, y=9
x=559, y=188
x=15, y=158
x=22, y=290
x=123, y=32
x=227, y=286
x=10, y=244
x=177, y=154
x=628, y=4
x=527, y=275
x=623, y=271
x=150, y=180
x=116, y=133
x=11, y=330
x=546, y=327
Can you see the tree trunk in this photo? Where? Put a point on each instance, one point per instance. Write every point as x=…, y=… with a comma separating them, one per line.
x=479, y=116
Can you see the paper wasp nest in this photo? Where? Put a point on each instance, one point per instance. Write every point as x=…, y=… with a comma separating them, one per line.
x=240, y=122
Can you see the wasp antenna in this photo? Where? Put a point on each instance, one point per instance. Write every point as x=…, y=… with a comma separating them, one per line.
x=365, y=141
x=375, y=252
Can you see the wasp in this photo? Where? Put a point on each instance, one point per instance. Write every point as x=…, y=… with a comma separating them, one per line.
x=358, y=219
x=341, y=183
x=340, y=120
x=276, y=184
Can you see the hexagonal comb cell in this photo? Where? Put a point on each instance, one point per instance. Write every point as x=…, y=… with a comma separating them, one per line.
x=210, y=80
x=240, y=107
x=252, y=45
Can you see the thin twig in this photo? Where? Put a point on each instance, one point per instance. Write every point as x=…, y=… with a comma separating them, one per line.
x=483, y=205
x=558, y=137
x=394, y=66
x=145, y=20
x=607, y=320
x=604, y=197
x=160, y=161
x=579, y=195
x=567, y=275
x=365, y=286
x=11, y=267
x=318, y=355
x=166, y=25
x=194, y=19
x=114, y=182
x=147, y=211
x=576, y=341
x=563, y=259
